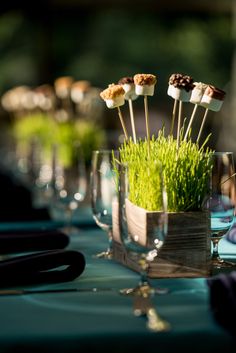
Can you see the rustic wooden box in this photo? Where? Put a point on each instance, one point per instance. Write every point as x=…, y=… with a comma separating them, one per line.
x=187, y=248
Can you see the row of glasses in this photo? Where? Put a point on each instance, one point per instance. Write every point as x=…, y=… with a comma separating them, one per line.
x=58, y=180
x=65, y=187
x=69, y=183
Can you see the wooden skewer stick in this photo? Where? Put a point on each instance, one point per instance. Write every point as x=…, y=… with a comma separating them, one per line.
x=122, y=123
x=179, y=122
x=147, y=122
x=202, y=124
x=173, y=116
x=190, y=121
x=131, y=111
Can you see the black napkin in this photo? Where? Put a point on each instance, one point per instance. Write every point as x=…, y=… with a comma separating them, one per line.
x=231, y=235
x=45, y=267
x=222, y=296
x=21, y=209
x=32, y=240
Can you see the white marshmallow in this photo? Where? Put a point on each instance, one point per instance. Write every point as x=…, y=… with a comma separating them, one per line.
x=211, y=103
x=144, y=90
x=77, y=95
x=178, y=93
x=170, y=90
x=115, y=102
x=197, y=92
x=130, y=91
x=196, y=96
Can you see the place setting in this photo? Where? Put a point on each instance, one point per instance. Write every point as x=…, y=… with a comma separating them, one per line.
x=163, y=203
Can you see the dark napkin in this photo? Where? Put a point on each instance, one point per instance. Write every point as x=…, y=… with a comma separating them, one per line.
x=45, y=267
x=21, y=209
x=231, y=235
x=16, y=241
x=222, y=296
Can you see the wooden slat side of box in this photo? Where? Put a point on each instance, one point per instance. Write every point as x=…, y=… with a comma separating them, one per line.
x=187, y=248
x=188, y=240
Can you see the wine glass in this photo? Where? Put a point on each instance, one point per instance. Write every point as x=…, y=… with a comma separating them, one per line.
x=103, y=193
x=142, y=242
x=41, y=174
x=69, y=182
x=220, y=202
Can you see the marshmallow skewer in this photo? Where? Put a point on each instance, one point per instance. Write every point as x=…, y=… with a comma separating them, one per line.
x=180, y=88
x=173, y=116
x=212, y=99
x=62, y=87
x=147, y=118
x=179, y=122
x=114, y=96
x=131, y=112
x=190, y=121
x=196, y=97
x=128, y=85
x=144, y=86
x=202, y=124
x=122, y=123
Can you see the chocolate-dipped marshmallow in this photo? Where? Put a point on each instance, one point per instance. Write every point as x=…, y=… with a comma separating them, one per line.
x=212, y=98
x=180, y=87
x=128, y=84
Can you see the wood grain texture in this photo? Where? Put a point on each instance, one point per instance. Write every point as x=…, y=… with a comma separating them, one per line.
x=187, y=248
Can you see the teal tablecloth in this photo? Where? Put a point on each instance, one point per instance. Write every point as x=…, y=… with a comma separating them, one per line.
x=103, y=321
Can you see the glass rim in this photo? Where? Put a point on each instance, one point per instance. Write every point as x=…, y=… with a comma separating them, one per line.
x=222, y=152
x=105, y=151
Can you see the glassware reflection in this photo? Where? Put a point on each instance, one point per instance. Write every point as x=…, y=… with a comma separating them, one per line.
x=103, y=193
x=220, y=202
x=141, y=240
x=69, y=184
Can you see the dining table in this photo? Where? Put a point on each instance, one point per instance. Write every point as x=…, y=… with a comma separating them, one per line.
x=89, y=314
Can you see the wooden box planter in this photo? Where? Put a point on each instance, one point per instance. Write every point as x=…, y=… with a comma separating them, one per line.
x=187, y=248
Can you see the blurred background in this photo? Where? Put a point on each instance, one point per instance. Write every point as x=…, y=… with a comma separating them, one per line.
x=102, y=41
x=96, y=42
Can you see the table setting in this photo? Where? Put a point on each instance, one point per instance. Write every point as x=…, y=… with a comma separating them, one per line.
x=152, y=280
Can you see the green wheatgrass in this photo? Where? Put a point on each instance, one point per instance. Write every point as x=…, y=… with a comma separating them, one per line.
x=49, y=132
x=186, y=172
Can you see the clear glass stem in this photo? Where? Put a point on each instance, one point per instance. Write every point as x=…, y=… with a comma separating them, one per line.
x=110, y=245
x=215, y=251
x=144, y=287
x=144, y=281
x=69, y=215
x=108, y=253
x=144, y=278
x=216, y=260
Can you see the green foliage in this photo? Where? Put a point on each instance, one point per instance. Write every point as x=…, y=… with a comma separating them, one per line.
x=47, y=131
x=34, y=127
x=144, y=179
x=91, y=137
x=186, y=172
